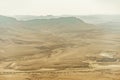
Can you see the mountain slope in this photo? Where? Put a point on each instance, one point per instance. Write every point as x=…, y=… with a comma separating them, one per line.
x=44, y=40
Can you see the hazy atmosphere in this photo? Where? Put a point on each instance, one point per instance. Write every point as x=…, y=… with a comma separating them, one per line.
x=59, y=39
x=59, y=7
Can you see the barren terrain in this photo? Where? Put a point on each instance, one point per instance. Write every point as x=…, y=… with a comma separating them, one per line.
x=58, y=49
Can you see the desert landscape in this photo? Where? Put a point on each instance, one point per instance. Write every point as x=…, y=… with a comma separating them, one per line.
x=59, y=48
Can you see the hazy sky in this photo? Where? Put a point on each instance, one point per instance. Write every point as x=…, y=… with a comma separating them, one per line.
x=59, y=7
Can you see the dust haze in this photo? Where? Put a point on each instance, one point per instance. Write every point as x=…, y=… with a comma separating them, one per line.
x=60, y=47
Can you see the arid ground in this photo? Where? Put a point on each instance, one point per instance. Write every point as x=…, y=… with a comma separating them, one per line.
x=65, y=48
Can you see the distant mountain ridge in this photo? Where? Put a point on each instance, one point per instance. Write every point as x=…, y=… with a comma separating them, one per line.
x=55, y=21
x=54, y=24
x=7, y=20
